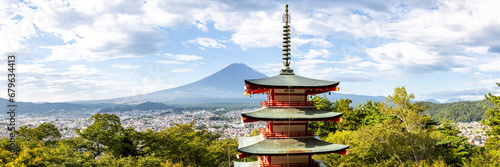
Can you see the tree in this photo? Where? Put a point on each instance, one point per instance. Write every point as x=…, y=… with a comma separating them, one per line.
x=102, y=132
x=492, y=119
x=453, y=147
x=352, y=118
x=5, y=157
x=393, y=133
x=183, y=144
x=322, y=128
x=372, y=115
x=45, y=132
x=408, y=115
x=125, y=143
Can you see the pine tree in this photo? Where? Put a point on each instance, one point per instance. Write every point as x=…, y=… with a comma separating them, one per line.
x=492, y=119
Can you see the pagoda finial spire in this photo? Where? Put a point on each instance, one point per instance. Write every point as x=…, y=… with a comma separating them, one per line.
x=286, y=44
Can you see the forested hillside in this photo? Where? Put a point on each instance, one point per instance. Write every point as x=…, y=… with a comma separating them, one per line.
x=464, y=111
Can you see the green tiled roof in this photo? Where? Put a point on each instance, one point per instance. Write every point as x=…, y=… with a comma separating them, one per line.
x=292, y=81
x=275, y=113
x=290, y=146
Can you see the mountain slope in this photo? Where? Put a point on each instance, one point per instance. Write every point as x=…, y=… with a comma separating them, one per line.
x=463, y=111
x=431, y=100
x=453, y=100
x=227, y=84
x=224, y=86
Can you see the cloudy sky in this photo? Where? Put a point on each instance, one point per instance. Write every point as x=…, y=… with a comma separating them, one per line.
x=92, y=49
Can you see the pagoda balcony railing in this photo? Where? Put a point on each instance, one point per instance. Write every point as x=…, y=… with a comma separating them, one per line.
x=265, y=133
x=287, y=103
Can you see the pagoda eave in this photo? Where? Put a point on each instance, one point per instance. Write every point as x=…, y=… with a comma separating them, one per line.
x=255, y=89
x=290, y=146
x=249, y=119
x=255, y=86
x=244, y=154
x=290, y=114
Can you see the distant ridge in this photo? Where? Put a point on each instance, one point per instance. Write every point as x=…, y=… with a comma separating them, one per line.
x=431, y=100
x=224, y=85
x=453, y=100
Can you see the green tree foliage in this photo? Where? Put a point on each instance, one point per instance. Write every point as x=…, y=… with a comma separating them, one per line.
x=146, y=161
x=492, y=119
x=45, y=132
x=107, y=134
x=351, y=118
x=364, y=115
x=101, y=132
x=393, y=133
x=322, y=128
x=182, y=144
x=453, y=147
x=5, y=156
x=372, y=115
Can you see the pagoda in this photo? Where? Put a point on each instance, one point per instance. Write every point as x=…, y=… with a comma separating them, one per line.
x=286, y=140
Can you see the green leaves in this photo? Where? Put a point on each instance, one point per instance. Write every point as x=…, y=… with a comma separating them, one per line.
x=492, y=119
x=105, y=131
x=184, y=144
x=453, y=147
x=44, y=132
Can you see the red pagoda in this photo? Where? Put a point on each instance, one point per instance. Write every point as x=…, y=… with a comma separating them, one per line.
x=286, y=140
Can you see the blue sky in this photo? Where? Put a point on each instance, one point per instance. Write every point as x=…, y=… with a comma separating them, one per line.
x=91, y=49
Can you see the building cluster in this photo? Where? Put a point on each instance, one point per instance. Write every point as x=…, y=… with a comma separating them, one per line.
x=143, y=120
x=474, y=131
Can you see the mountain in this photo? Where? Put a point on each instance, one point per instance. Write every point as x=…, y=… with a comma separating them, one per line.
x=29, y=107
x=356, y=99
x=225, y=85
x=453, y=100
x=463, y=111
x=431, y=100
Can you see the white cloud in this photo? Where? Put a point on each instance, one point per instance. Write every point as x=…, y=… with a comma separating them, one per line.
x=317, y=42
x=461, y=70
x=33, y=68
x=490, y=66
x=183, y=57
x=313, y=53
x=97, y=30
x=125, y=66
x=489, y=81
x=207, y=43
x=90, y=30
x=16, y=26
x=404, y=59
x=169, y=62
x=260, y=29
x=476, y=74
x=76, y=82
x=182, y=70
x=478, y=50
